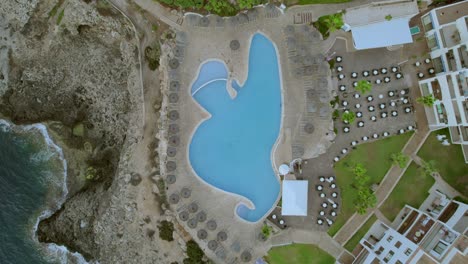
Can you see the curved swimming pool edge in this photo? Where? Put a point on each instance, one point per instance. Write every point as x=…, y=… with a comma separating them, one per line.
x=243, y=200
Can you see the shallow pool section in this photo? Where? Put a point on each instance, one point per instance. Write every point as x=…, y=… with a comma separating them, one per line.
x=232, y=149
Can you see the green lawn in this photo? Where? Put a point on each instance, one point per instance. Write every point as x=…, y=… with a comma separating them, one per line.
x=375, y=156
x=298, y=254
x=412, y=189
x=449, y=161
x=354, y=241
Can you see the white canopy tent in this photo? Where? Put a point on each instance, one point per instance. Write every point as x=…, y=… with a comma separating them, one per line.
x=295, y=194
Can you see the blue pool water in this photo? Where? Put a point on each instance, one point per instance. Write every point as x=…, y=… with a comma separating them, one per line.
x=232, y=149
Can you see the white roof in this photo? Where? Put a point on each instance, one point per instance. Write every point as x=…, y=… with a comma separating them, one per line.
x=382, y=34
x=294, y=198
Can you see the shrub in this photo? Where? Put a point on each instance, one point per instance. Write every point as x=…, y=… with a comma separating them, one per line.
x=194, y=253
x=400, y=159
x=427, y=100
x=348, y=117
x=166, y=230
x=363, y=86
x=388, y=17
x=266, y=230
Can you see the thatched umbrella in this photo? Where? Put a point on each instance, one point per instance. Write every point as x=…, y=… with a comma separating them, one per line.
x=171, y=166
x=211, y=225
x=204, y=22
x=221, y=236
x=185, y=192
x=171, y=179
x=173, y=98
x=202, y=234
x=234, y=44
x=219, y=21
x=212, y=244
x=246, y=256
x=174, y=141
x=309, y=128
x=174, y=198
x=174, y=85
x=171, y=152
x=173, y=128
x=192, y=223
x=173, y=115
x=184, y=216
x=178, y=51
x=243, y=18
x=201, y=216
x=193, y=207
x=173, y=63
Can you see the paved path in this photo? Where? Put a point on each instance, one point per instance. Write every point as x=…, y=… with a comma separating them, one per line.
x=385, y=188
x=321, y=239
x=170, y=17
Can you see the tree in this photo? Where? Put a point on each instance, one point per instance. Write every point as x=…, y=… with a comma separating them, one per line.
x=348, y=117
x=266, y=230
x=166, y=230
x=363, y=86
x=359, y=169
x=400, y=159
x=365, y=199
x=333, y=22
x=427, y=100
x=388, y=17
x=194, y=253
x=429, y=167
x=248, y=4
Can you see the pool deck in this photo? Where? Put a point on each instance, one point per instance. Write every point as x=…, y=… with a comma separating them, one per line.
x=195, y=44
x=301, y=53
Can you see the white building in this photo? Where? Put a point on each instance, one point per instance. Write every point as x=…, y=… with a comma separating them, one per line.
x=437, y=233
x=447, y=37
x=381, y=24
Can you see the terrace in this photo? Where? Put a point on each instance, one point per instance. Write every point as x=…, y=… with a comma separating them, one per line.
x=450, y=13
x=438, y=240
x=419, y=229
x=435, y=204
x=450, y=36
x=463, y=85
x=463, y=55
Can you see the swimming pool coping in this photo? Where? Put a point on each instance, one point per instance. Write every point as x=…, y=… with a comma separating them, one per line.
x=247, y=202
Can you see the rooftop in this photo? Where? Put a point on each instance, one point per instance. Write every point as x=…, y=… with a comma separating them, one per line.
x=450, y=13
x=382, y=34
x=376, y=12
x=294, y=197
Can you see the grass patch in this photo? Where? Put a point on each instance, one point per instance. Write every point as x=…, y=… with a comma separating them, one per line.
x=375, y=157
x=412, y=189
x=60, y=16
x=449, y=160
x=354, y=241
x=54, y=10
x=299, y=254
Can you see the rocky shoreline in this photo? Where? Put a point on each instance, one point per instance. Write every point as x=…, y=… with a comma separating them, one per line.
x=74, y=66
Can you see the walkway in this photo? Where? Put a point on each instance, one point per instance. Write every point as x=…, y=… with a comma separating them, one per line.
x=318, y=238
x=385, y=188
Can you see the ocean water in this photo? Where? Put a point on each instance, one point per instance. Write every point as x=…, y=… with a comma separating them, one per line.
x=31, y=187
x=232, y=149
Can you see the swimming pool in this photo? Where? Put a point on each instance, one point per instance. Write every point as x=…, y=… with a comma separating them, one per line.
x=232, y=149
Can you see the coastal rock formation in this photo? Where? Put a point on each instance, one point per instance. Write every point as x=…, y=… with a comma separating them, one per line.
x=74, y=65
